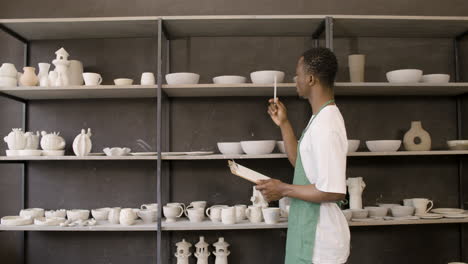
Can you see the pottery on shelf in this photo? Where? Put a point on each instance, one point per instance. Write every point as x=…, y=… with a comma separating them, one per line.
x=62, y=65
x=16, y=139
x=53, y=75
x=32, y=140
x=221, y=251
x=52, y=141
x=147, y=78
x=16, y=220
x=49, y=221
x=356, y=64
x=201, y=251
x=77, y=214
x=114, y=215
x=43, y=74
x=457, y=144
x=355, y=188
x=82, y=144
x=100, y=214
x=56, y=213
x=127, y=216
x=183, y=252
x=417, y=132
x=29, y=77
x=75, y=73
x=8, y=70
x=117, y=151
x=32, y=212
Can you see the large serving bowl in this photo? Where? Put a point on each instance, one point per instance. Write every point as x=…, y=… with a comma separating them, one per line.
x=376, y=211
x=435, y=78
x=258, y=147
x=267, y=77
x=8, y=82
x=229, y=79
x=383, y=145
x=402, y=211
x=353, y=145
x=16, y=220
x=458, y=144
x=182, y=78
x=404, y=76
x=228, y=148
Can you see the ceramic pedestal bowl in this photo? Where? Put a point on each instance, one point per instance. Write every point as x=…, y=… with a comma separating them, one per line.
x=353, y=145
x=228, y=148
x=229, y=79
x=182, y=78
x=359, y=213
x=404, y=76
x=280, y=146
x=376, y=211
x=383, y=145
x=458, y=144
x=402, y=211
x=258, y=147
x=267, y=77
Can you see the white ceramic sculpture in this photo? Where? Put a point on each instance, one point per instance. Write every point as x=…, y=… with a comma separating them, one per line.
x=43, y=74
x=52, y=141
x=32, y=140
x=355, y=188
x=258, y=199
x=16, y=139
x=61, y=67
x=201, y=251
x=183, y=252
x=221, y=251
x=82, y=144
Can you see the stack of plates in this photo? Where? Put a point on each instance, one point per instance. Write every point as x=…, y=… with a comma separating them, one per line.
x=454, y=213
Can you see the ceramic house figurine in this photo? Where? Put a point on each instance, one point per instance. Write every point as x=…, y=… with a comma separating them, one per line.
x=52, y=141
x=355, y=188
x=32, y=140
x=61, y=67
x=82, y=144
x=201, y=251
x=258, y=199
x=183, y=252
x=16, y=139
x=221, y=252
x=417, y=132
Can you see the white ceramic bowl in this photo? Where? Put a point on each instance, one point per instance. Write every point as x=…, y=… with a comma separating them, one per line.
x=16, y=220
x=123, y=81
x=117, y=151
x=53, y=152
x=401, y=211
x=77, y=214
x=30, y=152
x=62, y=213
x=376, y=211
x=435, y=78
x=353, y=145
x=100, y=214
x=388, y=206
x=267, y=77
x=182, y=78
x=258, y=147
x=348, y=214
x=228, y=148
x=229, y=79
x=404, y=76
x=32, y=212
x=359, y=213
x=280, y=146
x=49, y=221
x=458, y=144
x=383, y=145
x=8, y=82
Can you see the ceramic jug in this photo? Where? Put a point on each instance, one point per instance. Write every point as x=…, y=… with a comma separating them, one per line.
x=16, y=140
x=52, y=141
x=44, y=74
x=32, y=140
x=75, y=73
x=29, y=77
x=82, y=144
x=417, y=132
x=355, y=188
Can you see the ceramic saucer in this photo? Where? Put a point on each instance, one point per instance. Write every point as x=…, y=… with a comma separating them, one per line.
x=430, y=216
x=455, y=216
x=144, y=153
x=199, y=153
x=445, y=211
x=173, y=153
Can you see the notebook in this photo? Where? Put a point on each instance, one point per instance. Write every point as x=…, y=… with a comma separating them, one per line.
x=246, y=173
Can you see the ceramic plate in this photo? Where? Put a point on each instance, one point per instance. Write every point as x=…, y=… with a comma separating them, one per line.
x=199, y=153
x=96, y=154
x=445, y=211
x=144, y=153
x=430, y=216
x=173, y=153
x=455, y=216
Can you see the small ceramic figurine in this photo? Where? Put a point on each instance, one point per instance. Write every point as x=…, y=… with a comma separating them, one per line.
x=82, y=144
x=183, y=252
x=201, y=251
x=355, y=188
x=52, y=141
x=16, y=140
x=258, y=199
x=32, y=140
x=61, y=67
x=221, y=252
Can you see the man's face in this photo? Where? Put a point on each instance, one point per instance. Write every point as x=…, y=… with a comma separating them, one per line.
x=303, y=79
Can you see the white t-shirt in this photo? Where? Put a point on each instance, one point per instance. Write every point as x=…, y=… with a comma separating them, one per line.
x=323, y=153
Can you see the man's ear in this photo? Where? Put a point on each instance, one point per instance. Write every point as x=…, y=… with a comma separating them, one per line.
x=311, y=80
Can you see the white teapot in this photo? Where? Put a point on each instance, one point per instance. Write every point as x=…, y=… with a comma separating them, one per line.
x=82, y=144
x=16, y=140
x=52, y=141
x=32, y=140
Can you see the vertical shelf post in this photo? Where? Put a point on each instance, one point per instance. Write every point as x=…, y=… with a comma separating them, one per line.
x=329, y=32
x=158, y=143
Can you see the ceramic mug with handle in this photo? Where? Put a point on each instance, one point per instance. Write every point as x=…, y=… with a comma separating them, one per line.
x=214, y=212
x=195, y=214
x=153, y=206
x=271, y=215
x=197, y=204
x=421, y=205
x=91, y=78
x=228, y=215
x=254, y=214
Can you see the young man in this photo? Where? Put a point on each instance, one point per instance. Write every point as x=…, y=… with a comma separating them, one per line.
x=317, y=231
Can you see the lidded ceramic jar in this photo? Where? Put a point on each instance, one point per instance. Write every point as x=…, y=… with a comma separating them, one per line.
x=221, y=251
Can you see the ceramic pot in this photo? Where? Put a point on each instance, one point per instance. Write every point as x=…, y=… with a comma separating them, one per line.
x=356, y=64
x=32, y=212
x=32, y=140
x=82, y=144
x=195, y=215
x=240, y=212
x=417, y=132
x=127, y=216
x=62, y=213
x=29, y=77
x=172, y=213
x=52, y=141
x=75, y=73
x=16, y=139
x=148, y=216
x=77, y=214
x=228, y=215
x=114, y=215
x=8, y=70
x=254, y=214
x=43, y=74
x=214, y=212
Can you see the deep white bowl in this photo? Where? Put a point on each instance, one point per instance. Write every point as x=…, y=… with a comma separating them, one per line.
x=8, y=82
x=383, y=145
x=100, y=213
x=401, y=211
x=182, y=78
x=228, y=148
x=280, y=146
x=123, y=81
x=267, y=77
x=348, y=214
x=435, y=78
x=353, y=145
x=458, y=144
x=388, y=205
x=376, y=211
x=404, y=76
x=359, y=213
x=229, y=79
x=258, y=147
x=77, y=214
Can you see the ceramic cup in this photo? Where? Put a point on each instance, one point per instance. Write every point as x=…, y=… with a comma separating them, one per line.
x=271, y=215
x=214, y=212
x=240, y=212
x=153, y=206
x=421, y=205
x=356, y=67
x=172, y=213
x=114, y=215
x=100, y=213
x=148, y=216
x=32, y=212
x=197, y=204
x=408, y=202
x=62, y=213
x=77, y=214
x=176, y=205
x=127, y=216
x=228, y=215
x=91, y=78
x=195, y=214
x=254, y=214
x=147, y=78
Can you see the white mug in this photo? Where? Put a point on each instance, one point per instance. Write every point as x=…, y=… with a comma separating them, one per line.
x=172, y=212
x=91, y=78
x=408, y=202
x=148, y=216
x=195, y=214
x=114, y=215
x=197, y=204
x=271, y=215
x=176, y=205
x=214, y=212
x=153, y=206
x=254, y=214
x=240, y=212
x=147, y=78
x=421, y=205
x=228, y=215
x=127, y=216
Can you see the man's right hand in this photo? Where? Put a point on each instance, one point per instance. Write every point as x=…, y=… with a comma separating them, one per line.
x=277, y=112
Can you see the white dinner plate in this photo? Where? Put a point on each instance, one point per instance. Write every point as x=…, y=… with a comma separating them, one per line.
x=445, y=211
x=199, y=153
x=430, y=216
x=144, y=153
x=455, y=216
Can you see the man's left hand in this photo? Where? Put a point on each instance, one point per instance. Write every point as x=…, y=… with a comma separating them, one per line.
x=271, y=189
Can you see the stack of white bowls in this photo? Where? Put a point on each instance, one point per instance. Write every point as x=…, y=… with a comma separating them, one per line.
x=8, y=75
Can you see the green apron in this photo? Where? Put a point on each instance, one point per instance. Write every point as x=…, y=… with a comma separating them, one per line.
x=303, y=216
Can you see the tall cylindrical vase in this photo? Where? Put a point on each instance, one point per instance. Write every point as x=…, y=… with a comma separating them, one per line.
x=356, y=67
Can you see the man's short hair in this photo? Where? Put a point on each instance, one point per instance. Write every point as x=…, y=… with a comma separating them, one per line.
x=322, y=63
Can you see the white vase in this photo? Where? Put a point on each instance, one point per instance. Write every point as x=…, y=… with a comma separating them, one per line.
x=75, y=73
x=417, y=131
x=356, y=67
x=44, y=74
x=355, y=188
